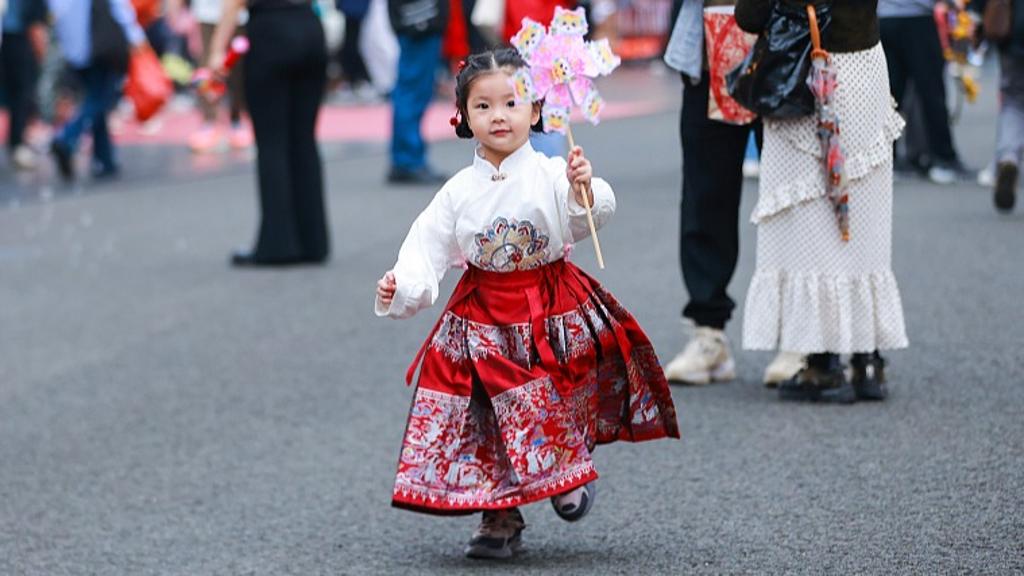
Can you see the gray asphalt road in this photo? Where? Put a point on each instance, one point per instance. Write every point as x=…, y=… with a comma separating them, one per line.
x=161, y=414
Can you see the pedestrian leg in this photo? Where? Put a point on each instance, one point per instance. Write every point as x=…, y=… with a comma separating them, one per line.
x=926, y=67
x=268, y=95
x=412, y=94
x=307, y=89
x=709, y=211
x=106, y=87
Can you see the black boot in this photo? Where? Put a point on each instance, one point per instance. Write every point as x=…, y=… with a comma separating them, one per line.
x=869, y=376
x=823, y=380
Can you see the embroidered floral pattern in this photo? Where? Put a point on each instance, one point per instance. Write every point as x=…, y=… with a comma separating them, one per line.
x=540, y=434
x=459, y=339
x=512, y=342
x=649, y=413
x=435, y=423
x=510, y=245
x=454, y=454
x=450, y=338
x=572, y=334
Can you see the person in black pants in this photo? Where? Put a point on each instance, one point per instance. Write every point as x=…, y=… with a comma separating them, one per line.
x=709, y=233
x=913, y=52
x=24, y=25
x=351, y=60
x=285, y=76
x=713, y=154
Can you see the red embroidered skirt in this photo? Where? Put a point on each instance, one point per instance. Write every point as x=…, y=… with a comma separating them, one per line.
x=524, y=374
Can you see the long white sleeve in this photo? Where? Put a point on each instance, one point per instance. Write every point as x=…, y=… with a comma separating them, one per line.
x=602, y=210
x=428, y=251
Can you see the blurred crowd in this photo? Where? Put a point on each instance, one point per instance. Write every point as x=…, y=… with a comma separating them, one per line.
x=46, y=77
x=48, y=74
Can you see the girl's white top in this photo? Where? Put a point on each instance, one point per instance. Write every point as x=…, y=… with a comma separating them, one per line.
x=515, y=217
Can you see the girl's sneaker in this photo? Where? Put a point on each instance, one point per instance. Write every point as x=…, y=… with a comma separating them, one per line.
x=574, y=504
x=499, y=535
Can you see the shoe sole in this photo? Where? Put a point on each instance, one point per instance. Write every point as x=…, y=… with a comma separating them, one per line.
x=724, y=373
x=774, y=380
x=478, y=552
x=1006, y=187
x=871, y=393
x=841, y=395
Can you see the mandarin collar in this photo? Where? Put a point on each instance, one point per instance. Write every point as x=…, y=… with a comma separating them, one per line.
x=512, y=164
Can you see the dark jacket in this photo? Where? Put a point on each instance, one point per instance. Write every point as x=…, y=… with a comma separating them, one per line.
x=854, y=22
x=418, y=17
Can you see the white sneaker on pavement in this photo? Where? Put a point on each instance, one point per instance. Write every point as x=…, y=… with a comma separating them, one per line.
x=751, y=168
x=783, y=367
x=24, y=158
x=705, y=359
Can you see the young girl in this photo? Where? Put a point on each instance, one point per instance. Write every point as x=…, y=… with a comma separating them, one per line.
x=532, y=363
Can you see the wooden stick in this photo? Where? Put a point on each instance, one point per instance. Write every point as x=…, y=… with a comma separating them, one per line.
x=586, y=204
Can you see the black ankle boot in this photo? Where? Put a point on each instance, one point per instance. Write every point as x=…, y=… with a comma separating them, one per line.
x=823, y=380
x=869, y=376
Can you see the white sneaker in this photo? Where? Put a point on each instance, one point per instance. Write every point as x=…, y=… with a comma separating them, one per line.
x=987, y=176
x=706, y=358
x=783, y=367
x=941, y=175
x=24, y=158
x=751, y=168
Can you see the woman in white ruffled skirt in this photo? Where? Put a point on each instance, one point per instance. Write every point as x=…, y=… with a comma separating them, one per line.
x=812, y=292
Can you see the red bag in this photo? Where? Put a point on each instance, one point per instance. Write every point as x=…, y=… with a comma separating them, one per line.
x=148, y=86
x=147, y=11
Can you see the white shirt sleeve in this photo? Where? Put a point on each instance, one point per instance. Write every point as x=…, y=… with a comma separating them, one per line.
x=428, y=251
x=602, y=210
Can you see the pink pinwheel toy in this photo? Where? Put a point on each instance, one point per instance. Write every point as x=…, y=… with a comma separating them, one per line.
x=562, y=66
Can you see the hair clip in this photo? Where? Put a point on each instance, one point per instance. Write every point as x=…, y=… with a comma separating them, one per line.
x=454, y=120
x=462, y=64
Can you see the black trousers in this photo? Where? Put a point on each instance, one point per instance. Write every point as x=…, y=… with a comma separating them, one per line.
x=20, y=72
x=913, y=52
x=352, y=63
x=285, y=76
x=709, y=214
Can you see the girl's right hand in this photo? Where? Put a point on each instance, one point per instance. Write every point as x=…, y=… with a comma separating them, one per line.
x=386, y=288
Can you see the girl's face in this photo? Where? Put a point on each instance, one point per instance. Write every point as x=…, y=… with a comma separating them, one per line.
x=498, y=122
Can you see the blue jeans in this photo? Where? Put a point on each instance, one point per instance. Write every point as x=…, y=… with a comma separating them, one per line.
x=413, y=91
x=101, y=92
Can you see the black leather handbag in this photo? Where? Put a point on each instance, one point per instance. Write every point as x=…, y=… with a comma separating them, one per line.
x=772, y=80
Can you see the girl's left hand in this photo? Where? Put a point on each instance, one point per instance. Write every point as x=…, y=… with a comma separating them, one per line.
x=579, y=171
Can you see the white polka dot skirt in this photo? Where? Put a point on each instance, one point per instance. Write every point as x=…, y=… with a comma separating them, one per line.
x=812, y=292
